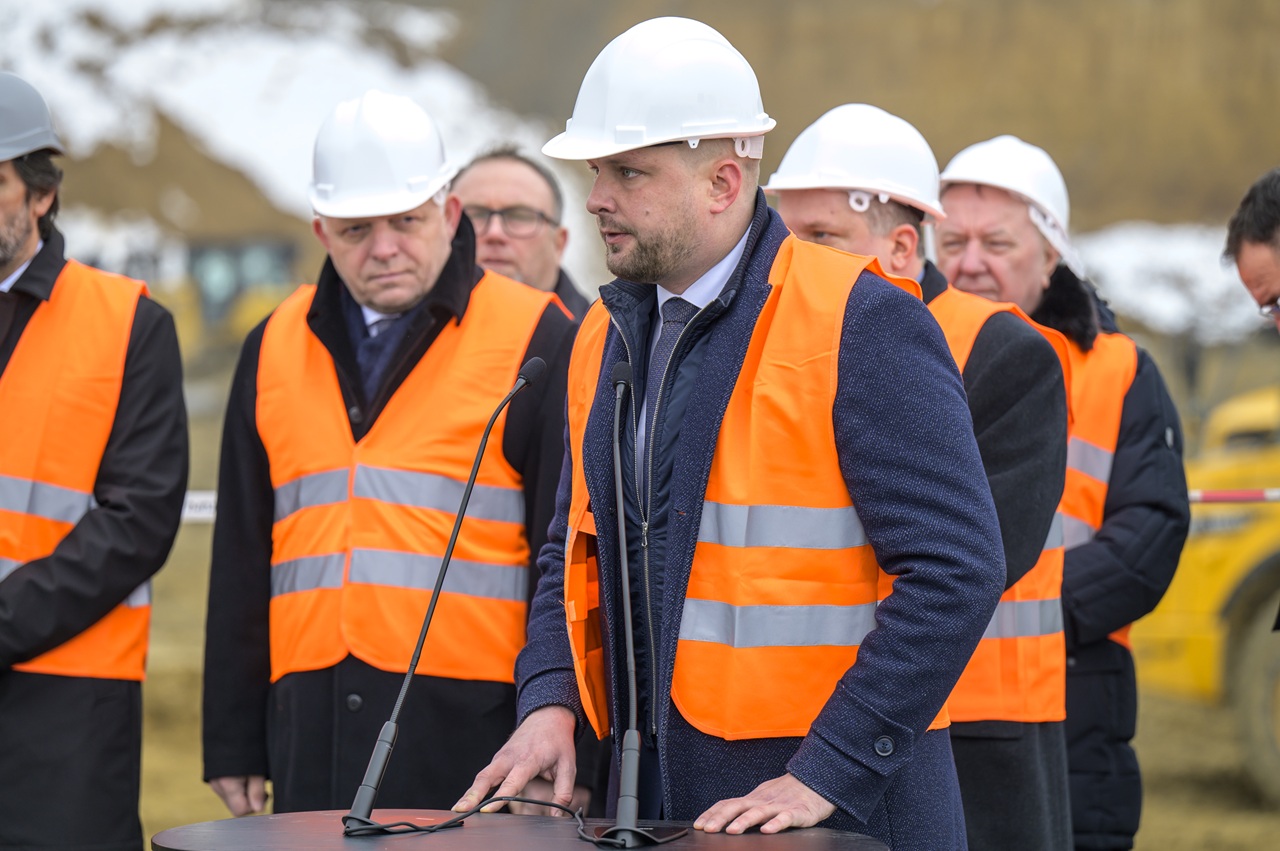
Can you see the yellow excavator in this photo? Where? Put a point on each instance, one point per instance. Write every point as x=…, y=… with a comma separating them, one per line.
x=1211, y=636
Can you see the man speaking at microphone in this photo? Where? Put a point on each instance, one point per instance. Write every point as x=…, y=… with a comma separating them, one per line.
x=354, y=417
x=802, y=489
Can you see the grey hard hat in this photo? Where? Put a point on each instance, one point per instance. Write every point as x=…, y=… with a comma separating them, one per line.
x=25, y=124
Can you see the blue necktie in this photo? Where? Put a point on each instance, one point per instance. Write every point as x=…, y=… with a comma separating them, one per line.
x=676, y=313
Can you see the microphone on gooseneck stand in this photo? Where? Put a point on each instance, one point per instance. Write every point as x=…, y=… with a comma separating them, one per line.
x=358, y=821
x=626, y=830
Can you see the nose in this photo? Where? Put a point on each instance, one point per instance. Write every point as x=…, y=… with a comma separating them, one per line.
x=385, y=243
x=972, y=260
x=490, y=227
x=599, y=201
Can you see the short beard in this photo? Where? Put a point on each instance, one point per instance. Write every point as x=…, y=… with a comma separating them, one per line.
x=14, y=236
x=655, y=257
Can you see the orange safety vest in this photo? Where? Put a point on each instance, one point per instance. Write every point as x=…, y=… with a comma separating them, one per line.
x=784, y=584
x=1018, y=671
x=1101, y=380
x=62, y=386
x=360, y=528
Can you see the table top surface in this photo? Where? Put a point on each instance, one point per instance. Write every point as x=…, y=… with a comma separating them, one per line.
x=319, y=831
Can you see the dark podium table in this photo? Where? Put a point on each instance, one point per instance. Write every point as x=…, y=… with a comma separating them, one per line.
x=322, y=831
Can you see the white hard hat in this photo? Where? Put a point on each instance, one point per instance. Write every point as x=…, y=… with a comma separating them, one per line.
x=25, y=125
x=664, y=80
x=377, y=155
x=862, y=148
x=1020, y=168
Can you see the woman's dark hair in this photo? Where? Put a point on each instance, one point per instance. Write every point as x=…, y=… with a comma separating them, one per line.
x=41, y=176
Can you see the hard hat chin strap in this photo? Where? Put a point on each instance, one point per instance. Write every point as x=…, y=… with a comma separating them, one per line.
x=1058, y=238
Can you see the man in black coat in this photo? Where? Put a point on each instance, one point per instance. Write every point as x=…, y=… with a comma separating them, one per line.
x=90, y=396
x=397, y=291
x=862, y=180
x=1119, y=563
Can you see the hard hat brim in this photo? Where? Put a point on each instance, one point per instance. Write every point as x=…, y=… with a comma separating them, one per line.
x=567, y=146
x=382, y=204
x=37, y=140
x=778, y=184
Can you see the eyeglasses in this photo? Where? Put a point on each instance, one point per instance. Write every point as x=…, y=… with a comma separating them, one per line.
x=1271, y=309
x=517, y=222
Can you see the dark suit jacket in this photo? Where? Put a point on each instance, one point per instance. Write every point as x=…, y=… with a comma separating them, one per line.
x=909, y=457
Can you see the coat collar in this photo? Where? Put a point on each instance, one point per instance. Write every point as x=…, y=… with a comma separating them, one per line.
x=449, y=296
x=933, y=284
x=39, y=277
x=1072, y=307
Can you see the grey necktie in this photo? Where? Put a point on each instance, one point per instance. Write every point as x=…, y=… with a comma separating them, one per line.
x=377, y=326
x=676, y=313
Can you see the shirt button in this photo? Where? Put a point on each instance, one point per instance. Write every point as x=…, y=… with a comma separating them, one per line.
x=355, y=414
x=884, y=746
x=354, y=702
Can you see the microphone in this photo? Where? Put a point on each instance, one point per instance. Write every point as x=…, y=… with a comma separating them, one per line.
x=358, y=821
x=626, y=829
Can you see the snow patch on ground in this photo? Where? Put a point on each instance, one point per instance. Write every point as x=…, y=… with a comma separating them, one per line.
x=251, y=81
x=1172, y=279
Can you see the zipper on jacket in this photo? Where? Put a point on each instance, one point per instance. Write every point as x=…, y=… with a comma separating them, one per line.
x=643, y=506
x=645, y=509
x=643, y=502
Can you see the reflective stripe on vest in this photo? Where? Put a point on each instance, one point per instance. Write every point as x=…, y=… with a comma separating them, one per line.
x=360, y=528
x=776, y=626
x=65, y=375
x=51, y=502
x=1018, y=671
x=1106, y=373
x=780, y=526
x=1091, y=460
x=783, y=586
x=1023, y=618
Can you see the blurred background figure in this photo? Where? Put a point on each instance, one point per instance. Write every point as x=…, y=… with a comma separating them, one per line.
x=93, y=468
x=516, y=207
x=354, y=416
x=864, y=181
x=1125, y=510
x=1253, y=242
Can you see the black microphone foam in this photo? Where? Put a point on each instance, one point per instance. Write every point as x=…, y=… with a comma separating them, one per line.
x=532, y=370
x=621, y=373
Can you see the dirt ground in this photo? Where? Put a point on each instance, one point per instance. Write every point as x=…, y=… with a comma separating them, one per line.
x=1197, y=797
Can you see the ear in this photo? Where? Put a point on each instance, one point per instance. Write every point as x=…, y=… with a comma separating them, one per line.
x=317, y=227
x=1051, y=260
x=903, y=241
x=40, y=204
x=452, y=213
x=725, y=184
x=561, y=239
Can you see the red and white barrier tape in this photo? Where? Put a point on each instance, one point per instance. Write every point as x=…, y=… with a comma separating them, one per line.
x=1254, y=495
x=199, y=507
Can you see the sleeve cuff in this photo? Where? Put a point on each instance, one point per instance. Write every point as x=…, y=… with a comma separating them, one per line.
x=850, y=755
